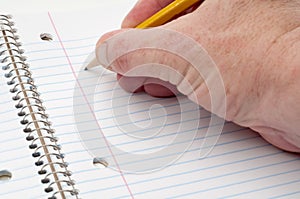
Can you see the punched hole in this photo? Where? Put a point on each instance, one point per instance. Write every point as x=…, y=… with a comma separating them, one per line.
x=46, y=37
x=5, y=175
x=100, y=162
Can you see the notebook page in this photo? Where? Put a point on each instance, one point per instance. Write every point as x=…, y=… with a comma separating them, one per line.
x=241, y=165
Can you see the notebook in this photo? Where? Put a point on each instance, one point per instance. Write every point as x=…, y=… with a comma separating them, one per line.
x=70, y=133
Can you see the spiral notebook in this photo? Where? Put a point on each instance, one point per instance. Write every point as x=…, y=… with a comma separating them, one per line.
x=43, y=149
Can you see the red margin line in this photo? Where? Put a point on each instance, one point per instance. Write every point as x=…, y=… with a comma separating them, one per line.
x=86, y=100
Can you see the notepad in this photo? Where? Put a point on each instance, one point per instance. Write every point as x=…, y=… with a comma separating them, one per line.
x=80, y=105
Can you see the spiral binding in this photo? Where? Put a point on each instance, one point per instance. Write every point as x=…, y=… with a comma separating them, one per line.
x=37, y=127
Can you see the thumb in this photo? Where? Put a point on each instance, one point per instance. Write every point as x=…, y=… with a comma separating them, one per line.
x=166, y=55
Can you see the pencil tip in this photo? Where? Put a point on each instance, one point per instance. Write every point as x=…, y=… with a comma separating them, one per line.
x=92, y=64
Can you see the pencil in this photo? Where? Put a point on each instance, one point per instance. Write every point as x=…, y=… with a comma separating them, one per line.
x=167, y=13
x=159, y=18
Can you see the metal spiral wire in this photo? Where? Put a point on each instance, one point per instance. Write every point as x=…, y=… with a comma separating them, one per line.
x=37, y=127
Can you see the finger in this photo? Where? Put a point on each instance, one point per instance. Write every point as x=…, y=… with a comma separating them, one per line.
x=131, y=84
x=142, y=11
x=161, y=89
x=151, y=86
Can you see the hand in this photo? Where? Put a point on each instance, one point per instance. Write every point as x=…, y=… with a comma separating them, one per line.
x=255, y=45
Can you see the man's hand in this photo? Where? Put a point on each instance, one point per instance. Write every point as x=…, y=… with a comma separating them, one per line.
x=256, y=46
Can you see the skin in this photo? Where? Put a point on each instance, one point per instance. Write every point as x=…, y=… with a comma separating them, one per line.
x=256, y=46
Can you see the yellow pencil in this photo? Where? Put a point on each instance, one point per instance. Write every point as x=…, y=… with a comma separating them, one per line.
x=167, y=13
x=161, y=17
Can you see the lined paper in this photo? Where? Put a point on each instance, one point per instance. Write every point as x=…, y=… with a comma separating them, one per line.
x=241, y=165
